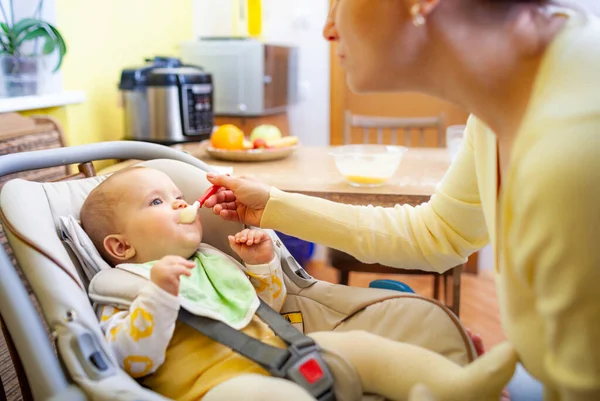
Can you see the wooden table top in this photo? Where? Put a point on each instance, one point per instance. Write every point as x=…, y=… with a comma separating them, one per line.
x=312, y=171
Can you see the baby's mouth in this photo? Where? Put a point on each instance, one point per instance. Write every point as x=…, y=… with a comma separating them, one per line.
x=188, y=215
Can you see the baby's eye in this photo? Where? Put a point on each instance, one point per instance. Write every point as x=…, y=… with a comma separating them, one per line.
x=156, y=202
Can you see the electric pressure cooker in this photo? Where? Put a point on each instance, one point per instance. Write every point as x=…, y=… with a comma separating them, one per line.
x=167, y=102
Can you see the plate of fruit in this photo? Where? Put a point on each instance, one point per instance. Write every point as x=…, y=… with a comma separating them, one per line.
x=228, y=142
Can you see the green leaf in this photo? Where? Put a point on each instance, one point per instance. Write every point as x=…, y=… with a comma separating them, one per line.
x=6, y=37
x=49, y=46
x=47, y=34
x=62, y=47
x=33, y=27
x=6, y=43
x=30, y=28
x=25, y=24
x=34, y=34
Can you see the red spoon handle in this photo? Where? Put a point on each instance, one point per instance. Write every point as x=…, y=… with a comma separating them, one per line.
x=209, y=192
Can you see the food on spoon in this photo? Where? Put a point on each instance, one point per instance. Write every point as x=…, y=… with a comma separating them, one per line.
x=227, y=136
x=188, y=215
x=267, y=132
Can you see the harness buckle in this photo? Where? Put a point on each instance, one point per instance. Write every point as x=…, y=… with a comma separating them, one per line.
x=305, y=366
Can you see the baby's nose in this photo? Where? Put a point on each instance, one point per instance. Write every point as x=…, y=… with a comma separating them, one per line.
x=180, y=204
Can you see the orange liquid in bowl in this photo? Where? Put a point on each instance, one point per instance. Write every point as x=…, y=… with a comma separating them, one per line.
x=363, y=180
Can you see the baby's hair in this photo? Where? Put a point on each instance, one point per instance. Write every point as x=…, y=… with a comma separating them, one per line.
x=97, y=215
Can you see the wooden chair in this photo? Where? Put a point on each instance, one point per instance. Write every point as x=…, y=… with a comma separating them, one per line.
x=389, y=128
x=424, y=127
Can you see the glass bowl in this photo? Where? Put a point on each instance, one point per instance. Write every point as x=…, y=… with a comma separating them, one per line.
x=367, y=165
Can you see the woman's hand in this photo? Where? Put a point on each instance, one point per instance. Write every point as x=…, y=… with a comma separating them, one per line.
x=255, y=247
x=241, y=199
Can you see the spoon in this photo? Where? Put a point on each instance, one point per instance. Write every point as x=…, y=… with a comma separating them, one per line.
x=188, y=215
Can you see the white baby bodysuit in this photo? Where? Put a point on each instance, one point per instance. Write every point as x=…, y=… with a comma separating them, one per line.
x=139, y=336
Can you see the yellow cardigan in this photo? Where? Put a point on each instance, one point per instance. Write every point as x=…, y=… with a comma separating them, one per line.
x=544, y=226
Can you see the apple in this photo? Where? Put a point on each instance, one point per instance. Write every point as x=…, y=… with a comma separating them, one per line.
x=260, y=143
x=267, y=132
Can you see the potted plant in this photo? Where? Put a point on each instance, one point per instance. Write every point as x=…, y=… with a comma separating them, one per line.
x=20, y=53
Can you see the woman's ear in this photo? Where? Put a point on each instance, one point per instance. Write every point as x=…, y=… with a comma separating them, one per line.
x=118, y=247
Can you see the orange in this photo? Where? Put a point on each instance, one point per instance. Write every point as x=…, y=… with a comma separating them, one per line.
x=227, y=136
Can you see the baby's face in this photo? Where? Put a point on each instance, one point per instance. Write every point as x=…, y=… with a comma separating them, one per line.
x=149, y=215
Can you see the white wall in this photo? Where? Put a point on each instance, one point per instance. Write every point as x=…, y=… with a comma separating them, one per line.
x=591, y=5
x=26, y=8
x=292, y=22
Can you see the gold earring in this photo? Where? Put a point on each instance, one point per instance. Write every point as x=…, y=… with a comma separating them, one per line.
x=418, y=18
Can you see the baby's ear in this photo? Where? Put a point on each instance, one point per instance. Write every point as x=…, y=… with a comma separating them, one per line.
x=118, y=248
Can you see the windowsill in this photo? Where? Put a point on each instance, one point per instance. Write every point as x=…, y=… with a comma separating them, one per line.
x=8, y=104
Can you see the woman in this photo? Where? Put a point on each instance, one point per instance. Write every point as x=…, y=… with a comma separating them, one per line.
x=525, y=180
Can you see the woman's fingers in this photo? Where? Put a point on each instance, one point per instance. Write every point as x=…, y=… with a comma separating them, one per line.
x=223, y=180
x=229, y=205
x=230, y=215
x=222, y=196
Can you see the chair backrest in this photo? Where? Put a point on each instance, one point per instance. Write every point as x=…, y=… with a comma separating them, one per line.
x=395, y=130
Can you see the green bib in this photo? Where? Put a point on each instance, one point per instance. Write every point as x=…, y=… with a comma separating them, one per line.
x=217, y=289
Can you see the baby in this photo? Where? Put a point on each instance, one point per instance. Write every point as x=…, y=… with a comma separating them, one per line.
x=133, y=219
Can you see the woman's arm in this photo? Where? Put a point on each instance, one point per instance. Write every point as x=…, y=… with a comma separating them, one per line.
x=434, y=236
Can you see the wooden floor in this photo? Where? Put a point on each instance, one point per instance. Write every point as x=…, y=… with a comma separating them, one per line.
x=479, y=305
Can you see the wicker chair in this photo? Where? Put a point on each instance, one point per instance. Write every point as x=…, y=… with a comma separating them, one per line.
x=432, y=126
x=21, y=134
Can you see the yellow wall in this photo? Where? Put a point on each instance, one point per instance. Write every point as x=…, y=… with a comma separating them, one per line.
x=104, y=37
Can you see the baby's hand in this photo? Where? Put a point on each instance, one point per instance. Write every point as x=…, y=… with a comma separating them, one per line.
x=165, y=273
x=255, y=247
